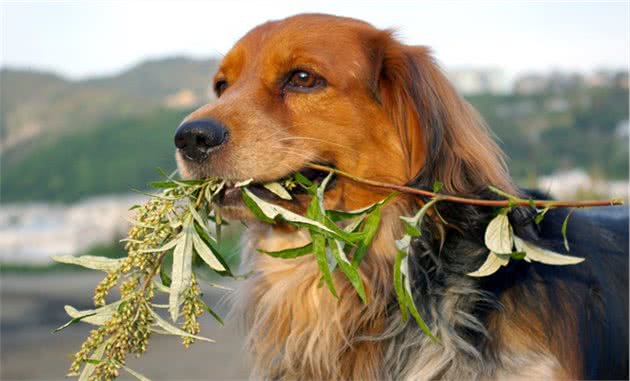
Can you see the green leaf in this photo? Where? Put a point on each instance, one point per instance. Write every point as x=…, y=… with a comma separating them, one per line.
x=416, y=221
x=205, y=237
x=404, y=269
x=134, y=373
x=492, y=264
x=340, y=215
x=201, y=221
x=96, y=316
x=370, y=228
x=532, y=204
x=302, y=180
x=166, y=280
x=538, y=254
x=163, y=184
x=252, y=205
x=205, y=252
x=437, y=186
x=319, y=249
x=518, y=255
x=498, y=236
x=411, y=230
x=167, y=246
x=90, y=262
x=540, y=216
x=270, y=212
x=398, y=285
x=278, y=190
x=218, y=223
x=73, y=321
x=346, y=267
x=293, y=252
x=173, y=330
x=181, y=275
x=564, y=229
x=89, y=367
x=243, y=183
x=211, y=312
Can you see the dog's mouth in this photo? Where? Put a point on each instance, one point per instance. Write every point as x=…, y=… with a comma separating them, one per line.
x=232, y=195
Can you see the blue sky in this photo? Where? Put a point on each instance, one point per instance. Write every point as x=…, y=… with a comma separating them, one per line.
x=81, y=39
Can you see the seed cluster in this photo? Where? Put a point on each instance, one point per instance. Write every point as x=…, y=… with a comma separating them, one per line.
x=191, y=309
x=129, y=327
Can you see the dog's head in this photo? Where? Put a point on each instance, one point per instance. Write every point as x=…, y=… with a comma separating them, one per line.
x=326, y=89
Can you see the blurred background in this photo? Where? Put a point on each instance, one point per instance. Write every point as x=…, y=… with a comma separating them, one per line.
x=91, y=93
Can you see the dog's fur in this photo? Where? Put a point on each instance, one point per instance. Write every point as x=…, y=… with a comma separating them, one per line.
x=386, y=112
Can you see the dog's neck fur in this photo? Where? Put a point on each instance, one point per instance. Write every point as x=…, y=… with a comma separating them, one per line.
x=298, y=330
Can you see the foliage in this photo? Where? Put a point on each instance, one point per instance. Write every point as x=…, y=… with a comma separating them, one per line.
x=183, y=223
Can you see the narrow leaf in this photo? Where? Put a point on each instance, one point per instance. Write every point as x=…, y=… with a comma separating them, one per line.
x=492, y=263
x=271, y=211
x=293, y=252
x=134, y=373
x=90, y=261
x=398, y=285
x=173, y=330
x=319, y=249
x=73, y=321
x=346, y=267
x=181, y=275
x=96, y=316
x=167, y=246
x=564, y=229
x=89, y=367
x=372, y=222
x=538, y=254
x=243, y=183
x=211, y=312
x=278, y=190
x=206, y=253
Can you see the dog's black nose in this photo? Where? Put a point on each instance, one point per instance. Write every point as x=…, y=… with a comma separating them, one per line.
x=197, y=138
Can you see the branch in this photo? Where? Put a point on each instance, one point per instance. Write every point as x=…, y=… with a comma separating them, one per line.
x=511, y=201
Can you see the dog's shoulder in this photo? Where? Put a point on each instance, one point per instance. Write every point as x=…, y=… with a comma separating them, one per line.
x=594, y=292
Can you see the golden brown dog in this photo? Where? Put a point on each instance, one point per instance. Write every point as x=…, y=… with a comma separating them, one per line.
x=318, y=88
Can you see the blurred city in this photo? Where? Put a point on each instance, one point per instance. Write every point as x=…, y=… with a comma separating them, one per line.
x=74, y=151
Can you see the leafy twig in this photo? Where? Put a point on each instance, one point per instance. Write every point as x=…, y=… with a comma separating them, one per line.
x=512, y=201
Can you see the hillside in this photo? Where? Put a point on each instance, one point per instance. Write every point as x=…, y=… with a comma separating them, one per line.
x=38, y=107
x=65, y=140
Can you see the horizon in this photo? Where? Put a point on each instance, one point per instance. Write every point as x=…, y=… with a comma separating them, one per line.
x=162, y=58
x=516, y=38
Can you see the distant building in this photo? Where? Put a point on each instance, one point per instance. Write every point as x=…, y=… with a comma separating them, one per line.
x=531, y=84
x=31, y=233
x=479, y=81
x=569, y=184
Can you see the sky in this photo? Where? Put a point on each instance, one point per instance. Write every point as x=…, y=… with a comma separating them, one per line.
x=96, y=38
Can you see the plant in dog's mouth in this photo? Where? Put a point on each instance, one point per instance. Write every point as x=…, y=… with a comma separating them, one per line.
x=181, y=222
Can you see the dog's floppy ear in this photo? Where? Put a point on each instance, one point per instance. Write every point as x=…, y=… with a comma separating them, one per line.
x=442, y=135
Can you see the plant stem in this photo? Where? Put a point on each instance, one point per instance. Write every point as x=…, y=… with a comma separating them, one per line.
x=470, y=201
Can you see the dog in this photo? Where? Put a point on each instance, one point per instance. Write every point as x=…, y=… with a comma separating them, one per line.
x=317, y=88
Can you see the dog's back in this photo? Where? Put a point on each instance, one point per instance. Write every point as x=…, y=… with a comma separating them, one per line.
x=583, y=308
x=600, y=285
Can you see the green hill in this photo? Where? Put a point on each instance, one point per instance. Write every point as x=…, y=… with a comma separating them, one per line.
x=113, y=157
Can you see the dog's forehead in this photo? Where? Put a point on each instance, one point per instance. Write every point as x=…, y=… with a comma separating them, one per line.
x=321, y=39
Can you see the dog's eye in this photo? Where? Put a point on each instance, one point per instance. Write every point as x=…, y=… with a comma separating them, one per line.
x=220, y=86
x=302, y=80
